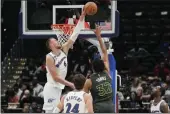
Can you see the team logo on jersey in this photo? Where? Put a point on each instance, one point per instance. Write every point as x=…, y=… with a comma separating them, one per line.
x=60, y=62
x=50, y=100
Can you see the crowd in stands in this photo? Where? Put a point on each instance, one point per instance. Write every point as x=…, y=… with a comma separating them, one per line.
x=140, y=90
x=142, y=27
x=28, y=90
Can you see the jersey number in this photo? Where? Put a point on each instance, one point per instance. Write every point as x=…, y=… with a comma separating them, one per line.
x=72, y=109
x=104, y=89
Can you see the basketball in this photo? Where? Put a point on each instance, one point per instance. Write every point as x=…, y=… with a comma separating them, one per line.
x=90, y=8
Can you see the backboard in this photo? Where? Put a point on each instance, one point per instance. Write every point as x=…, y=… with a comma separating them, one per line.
x=35, y=20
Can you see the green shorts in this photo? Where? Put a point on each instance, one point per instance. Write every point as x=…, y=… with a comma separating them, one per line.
x=104, y=107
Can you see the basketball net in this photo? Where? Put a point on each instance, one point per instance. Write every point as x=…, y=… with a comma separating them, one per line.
x=63, y=31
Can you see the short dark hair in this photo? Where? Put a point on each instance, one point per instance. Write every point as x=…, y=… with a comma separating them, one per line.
x=79, y=81
x=98, y=65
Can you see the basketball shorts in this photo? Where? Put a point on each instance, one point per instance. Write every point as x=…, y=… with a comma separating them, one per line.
x=51, y=97
x=104, y=107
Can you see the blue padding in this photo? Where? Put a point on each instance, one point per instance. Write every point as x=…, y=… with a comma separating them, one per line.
x=112, y=64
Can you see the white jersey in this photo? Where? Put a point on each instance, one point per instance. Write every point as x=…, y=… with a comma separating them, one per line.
x=74, y=102
x=61, y=69
x=156, y=109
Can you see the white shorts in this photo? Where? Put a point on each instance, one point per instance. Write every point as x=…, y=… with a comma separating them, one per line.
x=51, y=97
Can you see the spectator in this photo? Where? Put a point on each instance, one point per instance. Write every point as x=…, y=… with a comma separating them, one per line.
x=89, y=72
x=26, y=98
x=168, y=64
x=169, y=50
x=41, y=94
x=161, y=71
x=12, y=97
x=19, y=82
x=136, y=87
x=33, y=107
x=26, y=108
x=137, y=91
x=23, y=87
x=26, y=75
x=40, y=68
x=120, y=95
x=37, y=88
x=17, y=90
x=167, y=92
x=39, y=109
x=31, y=87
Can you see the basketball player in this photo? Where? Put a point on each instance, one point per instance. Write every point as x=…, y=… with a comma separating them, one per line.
x=158, y=105
x=56, y=64
x=99, y=83
x=76, y=101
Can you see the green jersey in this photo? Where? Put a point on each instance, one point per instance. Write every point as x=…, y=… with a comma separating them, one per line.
x=101, y=87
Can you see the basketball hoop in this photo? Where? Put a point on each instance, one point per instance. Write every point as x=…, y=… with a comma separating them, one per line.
x=63, y=31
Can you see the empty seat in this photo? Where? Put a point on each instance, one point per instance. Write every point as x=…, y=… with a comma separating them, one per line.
x=141, y=29
x=154, y=28
x=153, y=13
x=165, y=6
x=127, y=14
x=154, y=21
x=127, y=28
x=155, y=6
x=166, y=37
x=127, y=37
x=141, y=21
x=165, y=20
x=154, y=37
x=141, y=37
x=166, y=28
x=126, y=21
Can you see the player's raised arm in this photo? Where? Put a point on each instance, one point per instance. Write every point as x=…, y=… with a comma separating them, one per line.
x=87, y=85
x=52, y=69
x=75, y=34
x=89, y=103
x=97, y=31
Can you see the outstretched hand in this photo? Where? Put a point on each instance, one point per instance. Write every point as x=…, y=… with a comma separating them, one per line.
x=97, y=31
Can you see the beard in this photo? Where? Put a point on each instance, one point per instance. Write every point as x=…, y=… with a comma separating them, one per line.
x=58, y=47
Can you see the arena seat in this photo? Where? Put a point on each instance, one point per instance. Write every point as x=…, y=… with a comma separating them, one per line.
x=166, y=28
x=165, y=21
x=154, y=36
x=142, y=38
x=127, y=37
x=166, y=37
x=141, y=29
x=154, y=21
x=143, y=21
x=154, y=28
x=126, y=21
x=127, y=28
x=127, y=14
